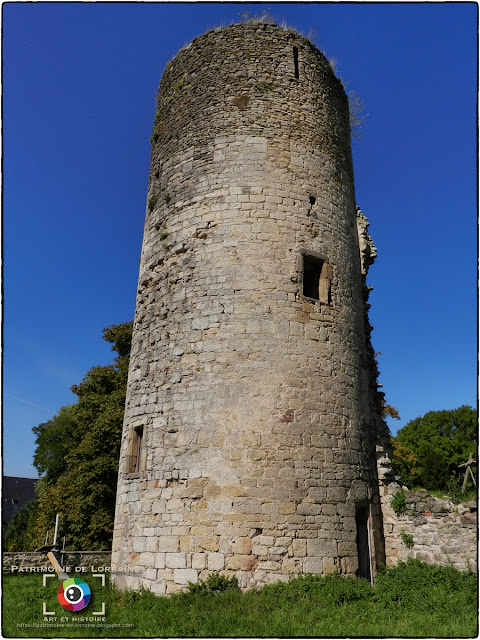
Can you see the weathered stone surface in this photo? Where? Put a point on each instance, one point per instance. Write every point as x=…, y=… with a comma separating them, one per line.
x=252, y=378
x=444, y=535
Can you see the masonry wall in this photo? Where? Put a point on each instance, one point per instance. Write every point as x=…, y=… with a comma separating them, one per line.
x=23, y=561
x=432, y=530
x=250, y=429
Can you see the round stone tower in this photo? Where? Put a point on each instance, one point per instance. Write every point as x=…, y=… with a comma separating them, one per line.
x=252, y=415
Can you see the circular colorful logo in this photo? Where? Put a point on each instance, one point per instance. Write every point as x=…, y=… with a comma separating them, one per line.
x=74, y=594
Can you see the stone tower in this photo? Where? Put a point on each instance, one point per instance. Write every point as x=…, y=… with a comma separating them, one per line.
x=252, y=412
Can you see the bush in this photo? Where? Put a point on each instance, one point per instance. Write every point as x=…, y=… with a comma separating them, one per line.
x=330, y=590
x=416, y=585
x=215, y=583
x=399, y=503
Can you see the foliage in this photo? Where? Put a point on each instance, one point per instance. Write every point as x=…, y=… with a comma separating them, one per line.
x=16, y=535
x=428, y=450
x=215, y=583
x=332, y=590
x=410, y=600
x=357, y=113
x=77, y=452
x=409, y=585
x=406, y=464
x=407, y=539
x=390, y=411
x=264, y=17
x=399, y=503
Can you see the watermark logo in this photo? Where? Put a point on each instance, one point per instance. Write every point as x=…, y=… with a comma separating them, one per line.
x=74, y=594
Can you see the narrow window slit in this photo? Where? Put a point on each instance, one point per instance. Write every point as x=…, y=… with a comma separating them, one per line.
x=136, y=454
x=363, y=542
x=295, y=61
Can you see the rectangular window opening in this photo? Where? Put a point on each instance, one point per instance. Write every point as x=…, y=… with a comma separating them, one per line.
x=363, y=542
x=136, y=451
x=295, y=61
x=317, y=279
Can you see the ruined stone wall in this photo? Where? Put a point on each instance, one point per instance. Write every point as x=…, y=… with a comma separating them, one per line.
x=251, y=415
x=441, y=532
x=13, y=561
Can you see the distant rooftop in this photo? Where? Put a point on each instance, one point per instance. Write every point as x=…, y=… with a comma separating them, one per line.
x=16, y=492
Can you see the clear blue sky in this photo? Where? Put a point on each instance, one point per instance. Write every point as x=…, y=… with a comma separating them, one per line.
x=79, y=100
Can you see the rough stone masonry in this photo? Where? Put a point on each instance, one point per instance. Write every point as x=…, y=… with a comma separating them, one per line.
x=252, y=414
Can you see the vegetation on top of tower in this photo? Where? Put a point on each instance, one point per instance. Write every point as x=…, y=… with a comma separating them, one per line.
x=357, y=113
x=263, y=18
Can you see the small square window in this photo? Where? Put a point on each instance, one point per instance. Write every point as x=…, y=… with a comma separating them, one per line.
x=317, y=278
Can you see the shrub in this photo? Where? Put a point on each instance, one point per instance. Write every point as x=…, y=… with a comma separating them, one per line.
x=418, y=585
x=330, y=590
x=407, y=539
x=399, y=502
x=215, y=583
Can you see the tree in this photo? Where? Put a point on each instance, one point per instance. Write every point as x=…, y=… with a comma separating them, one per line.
x=428, y=450
x=77, y=453
x=17, y=534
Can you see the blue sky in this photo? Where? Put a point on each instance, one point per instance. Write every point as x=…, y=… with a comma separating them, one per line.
x=79, y=84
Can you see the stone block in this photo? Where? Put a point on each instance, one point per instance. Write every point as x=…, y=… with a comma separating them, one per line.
x=139, y=544
x=259, y=549
x=321, y=547
x=269, y=565
x=240, y=562
x=287, y=507
x=159, y=506
x=173, y=587
x=169, y=544
x=186, y=543
x=291, y=566
x=151, y=574
x=313, y=565
x=146, y=559
x=159, y=562
x=329, y=565
x=208, y=543
x=199, y=560
x=242, y=545
x=151, y=544
x=159, y=588
x=309, y=509
x=347, y=548
x=184, y=576
x=215, y=561
x=175, y=560
x=299, y=548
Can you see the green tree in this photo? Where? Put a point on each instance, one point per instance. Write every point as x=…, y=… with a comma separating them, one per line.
x=77, y=453
x=428, y=450
x=17, y=534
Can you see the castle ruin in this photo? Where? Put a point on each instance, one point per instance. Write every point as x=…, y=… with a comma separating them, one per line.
x=252, y=415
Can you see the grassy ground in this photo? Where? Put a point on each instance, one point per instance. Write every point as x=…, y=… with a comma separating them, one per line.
x=412, y=600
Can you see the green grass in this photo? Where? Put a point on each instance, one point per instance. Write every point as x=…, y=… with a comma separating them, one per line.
x=456, y=496
x=412, y=600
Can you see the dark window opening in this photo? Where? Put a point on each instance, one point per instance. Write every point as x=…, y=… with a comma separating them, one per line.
x=295, y=61
x=317, y=278
x=312, y=200
x=363, y=543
